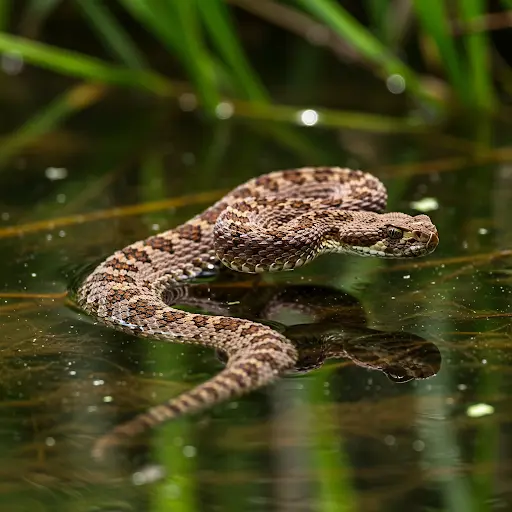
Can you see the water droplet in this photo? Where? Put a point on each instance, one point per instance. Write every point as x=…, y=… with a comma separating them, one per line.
x=308, y=117
x=395, y=84
x=189, y=451
x=478, y=410
x=224, y=110
x=56, y=173
x=427, y=204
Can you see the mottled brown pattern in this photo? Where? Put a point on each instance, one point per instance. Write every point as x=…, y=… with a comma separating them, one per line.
x=119, y=295
x=278, y=221
x=191, y=232
x=113, y=278
x=134, y=254
x=173, y=315
x=159, y=243
x=296, y=177
x=122, y=265
x=266, y=182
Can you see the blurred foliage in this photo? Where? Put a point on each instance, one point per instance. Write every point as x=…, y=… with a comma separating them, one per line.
x=441, y=51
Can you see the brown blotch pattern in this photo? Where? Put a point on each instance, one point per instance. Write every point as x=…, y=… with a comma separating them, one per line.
x=191, y=232
x=173, y=316
x=116, y=264
x=133, y=254
x=160, y=243
x=120, y=294
x=115, y=278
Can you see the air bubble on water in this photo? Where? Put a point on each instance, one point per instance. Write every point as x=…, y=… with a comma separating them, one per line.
x=478, y=410
x=224, y=110
x=427, y=204
x=390, y=440
x=56, y=173
x=395, y=84
x=148, y=475
x=189, y=451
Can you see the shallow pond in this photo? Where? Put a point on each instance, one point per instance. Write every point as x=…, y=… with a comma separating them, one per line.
x=353, y=433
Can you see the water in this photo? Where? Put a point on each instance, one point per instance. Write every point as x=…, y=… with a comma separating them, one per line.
x=334, y=436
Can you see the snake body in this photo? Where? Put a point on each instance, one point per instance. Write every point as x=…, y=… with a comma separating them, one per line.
x=278, y=221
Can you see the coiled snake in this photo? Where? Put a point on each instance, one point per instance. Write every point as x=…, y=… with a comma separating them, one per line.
x=279, y=221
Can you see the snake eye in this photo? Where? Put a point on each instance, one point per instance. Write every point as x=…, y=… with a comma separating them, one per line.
x=394, y=232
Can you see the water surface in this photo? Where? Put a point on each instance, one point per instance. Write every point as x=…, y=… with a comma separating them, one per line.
x=336, y=436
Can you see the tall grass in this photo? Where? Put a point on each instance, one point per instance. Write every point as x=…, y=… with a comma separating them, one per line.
x=204, y=39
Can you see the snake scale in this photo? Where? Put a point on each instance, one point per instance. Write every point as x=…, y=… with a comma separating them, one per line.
x=278, y=221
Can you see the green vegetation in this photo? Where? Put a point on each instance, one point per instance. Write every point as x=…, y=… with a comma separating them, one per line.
x=452, y=38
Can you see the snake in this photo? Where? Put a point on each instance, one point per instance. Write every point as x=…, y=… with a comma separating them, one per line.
x=278, y=221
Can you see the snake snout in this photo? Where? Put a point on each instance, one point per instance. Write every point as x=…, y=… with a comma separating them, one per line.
x=433, y=240
x=430, y=239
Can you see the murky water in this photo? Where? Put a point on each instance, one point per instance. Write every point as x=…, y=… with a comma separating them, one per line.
x=359, y=433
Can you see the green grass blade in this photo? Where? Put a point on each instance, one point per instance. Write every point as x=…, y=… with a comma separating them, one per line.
x=83, y=66
x=334, y=16
x=477, y=46
x=176, y=24
x=378, y=12
x=217, y=19
x=5, y=12
x=196, y=57
x=434, y=19
x=157, y=18
x=112, y=33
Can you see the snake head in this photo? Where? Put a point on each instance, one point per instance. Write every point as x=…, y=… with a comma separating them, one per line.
x=408, y=236
x=388, y=235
